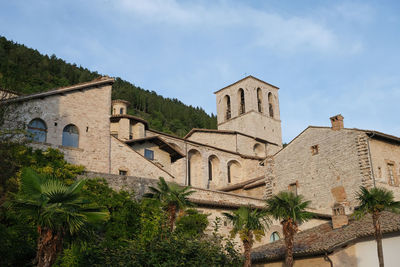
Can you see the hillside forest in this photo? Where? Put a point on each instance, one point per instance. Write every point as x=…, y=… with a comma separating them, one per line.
x=26, y=71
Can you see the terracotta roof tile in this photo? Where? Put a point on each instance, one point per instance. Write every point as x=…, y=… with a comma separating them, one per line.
x=322, y=238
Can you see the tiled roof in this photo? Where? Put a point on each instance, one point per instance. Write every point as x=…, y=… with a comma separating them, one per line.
x=321, y=239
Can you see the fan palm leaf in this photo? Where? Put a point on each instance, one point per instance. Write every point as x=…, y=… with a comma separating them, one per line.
x=250, y=224
x=56, y=208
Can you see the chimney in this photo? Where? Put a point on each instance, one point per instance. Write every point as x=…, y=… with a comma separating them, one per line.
x=339, y=217
x=337, y=122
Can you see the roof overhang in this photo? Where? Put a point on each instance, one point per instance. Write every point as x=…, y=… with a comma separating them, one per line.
x=175, y=153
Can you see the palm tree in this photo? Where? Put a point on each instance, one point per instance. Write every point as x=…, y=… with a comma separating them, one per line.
x=57, y=209
x=172, y=196
x=290, y=209
x=373, y=201
x=250, y=224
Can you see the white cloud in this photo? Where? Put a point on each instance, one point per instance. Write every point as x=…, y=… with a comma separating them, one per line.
x=357, y=12
x=265, y=29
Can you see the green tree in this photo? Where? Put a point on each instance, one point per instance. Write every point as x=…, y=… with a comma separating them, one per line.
x=290, y=209
x=373, y=201
x=192, y=223
x=250, y=224
x=57, y=210
x=172, y=197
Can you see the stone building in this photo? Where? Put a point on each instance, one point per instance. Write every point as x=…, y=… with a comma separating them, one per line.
x=240, y=163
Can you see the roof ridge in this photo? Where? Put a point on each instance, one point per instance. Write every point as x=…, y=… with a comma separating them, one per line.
x=247, y=77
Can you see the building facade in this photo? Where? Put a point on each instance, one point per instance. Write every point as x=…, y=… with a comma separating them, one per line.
x=242, y=161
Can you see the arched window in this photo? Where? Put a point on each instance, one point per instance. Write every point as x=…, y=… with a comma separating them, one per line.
x=70, y=136
x=234, y=171
x=274, y=237
x=242, y=108
x=213, y=168
x=37, y=130
x=194, y=168
x=271, y=105
x=259, y=151
x=121, y=111
x=259, y=100
x=227, y=100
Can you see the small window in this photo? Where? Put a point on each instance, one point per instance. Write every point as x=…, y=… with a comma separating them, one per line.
x=242, y=108
x=37, y=130
x=122, y=172
x=209, y=170
x=274, y=237
x=314, y=150
x=121, y=111
x=390, y=172
x=114, y=112
x=70, y=136
x=229, y=173
x=293, y=188
x=149, y=154
x=228, y=107
x=259, y=100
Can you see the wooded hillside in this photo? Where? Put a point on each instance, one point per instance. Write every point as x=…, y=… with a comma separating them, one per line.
x=25, y=70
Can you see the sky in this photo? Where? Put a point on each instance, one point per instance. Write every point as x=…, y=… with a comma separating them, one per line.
x=327, y=57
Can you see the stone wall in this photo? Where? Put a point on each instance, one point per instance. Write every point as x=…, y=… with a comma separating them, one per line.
x=333, y=174
x=234, y=142
x=125, y=158
x=252, y=122
x=89, y=110
x=161, y=157
x=385, y=154
x=249, y=167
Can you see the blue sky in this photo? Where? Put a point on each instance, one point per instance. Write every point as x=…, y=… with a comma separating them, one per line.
x=327, y=57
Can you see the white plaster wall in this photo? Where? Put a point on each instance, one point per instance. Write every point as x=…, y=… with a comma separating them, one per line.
x=367, y=254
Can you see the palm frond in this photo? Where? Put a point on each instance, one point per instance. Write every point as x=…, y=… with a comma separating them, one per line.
x=30, y=182
x=286, y=205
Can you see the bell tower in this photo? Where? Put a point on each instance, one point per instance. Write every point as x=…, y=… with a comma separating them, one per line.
x=250, y=106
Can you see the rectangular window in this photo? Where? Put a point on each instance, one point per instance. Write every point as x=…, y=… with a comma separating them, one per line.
x=293, y=188
x=121, y=172
x=149, y=154
x=314, y=150
x=391, y=173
